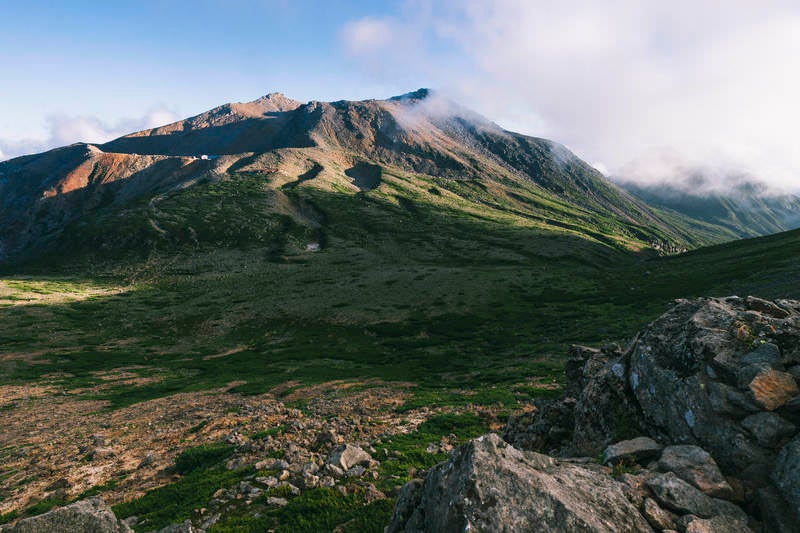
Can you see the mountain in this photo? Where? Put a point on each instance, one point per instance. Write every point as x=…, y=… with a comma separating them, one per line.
x=416, y=148
x=745, y=209
x=278, y=338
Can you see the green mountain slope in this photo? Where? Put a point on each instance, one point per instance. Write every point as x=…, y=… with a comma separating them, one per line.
x=357, y=264
x=404, y=148
x=744, y=209
x=400, y=290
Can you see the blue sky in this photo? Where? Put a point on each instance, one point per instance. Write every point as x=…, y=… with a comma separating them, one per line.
x=642, y=88
x=120, y=59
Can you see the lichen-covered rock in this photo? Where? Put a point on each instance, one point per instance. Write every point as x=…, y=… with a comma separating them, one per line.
x=705, y=366
x=86, y=516
x=771, y=389
x=488, y=485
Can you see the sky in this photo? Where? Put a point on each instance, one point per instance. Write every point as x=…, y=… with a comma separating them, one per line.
x=643, y=89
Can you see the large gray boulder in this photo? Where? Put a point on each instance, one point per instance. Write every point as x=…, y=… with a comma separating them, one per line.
x=720, y=375
x=672, y=363
x=86, y=516
x=710, y=372
x=488, y=485
x=596, y=410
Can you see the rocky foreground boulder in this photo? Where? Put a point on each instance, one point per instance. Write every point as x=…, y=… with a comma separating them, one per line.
x=86, y=516
x=488, y=485
x=695, y=425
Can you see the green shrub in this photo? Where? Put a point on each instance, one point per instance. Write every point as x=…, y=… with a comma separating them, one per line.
x=203, y=456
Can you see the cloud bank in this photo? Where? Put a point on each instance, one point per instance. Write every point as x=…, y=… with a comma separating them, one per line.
x=713, y=84
x=63, y=130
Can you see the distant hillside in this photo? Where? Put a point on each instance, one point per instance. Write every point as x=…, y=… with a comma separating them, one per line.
x=740, y=206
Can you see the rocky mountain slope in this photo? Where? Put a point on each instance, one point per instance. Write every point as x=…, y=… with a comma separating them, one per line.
x=345, y=147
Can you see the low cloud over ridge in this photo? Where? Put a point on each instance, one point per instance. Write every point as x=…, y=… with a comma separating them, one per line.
x=64, y=129
x=715, y=82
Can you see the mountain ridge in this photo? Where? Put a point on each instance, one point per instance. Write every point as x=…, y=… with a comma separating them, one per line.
x=419, y=135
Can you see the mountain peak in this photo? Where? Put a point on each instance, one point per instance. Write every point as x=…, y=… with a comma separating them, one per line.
x=277, y=102
x=419, y=94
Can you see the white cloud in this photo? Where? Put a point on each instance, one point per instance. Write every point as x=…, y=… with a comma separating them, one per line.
x=368, y=35
x=63, y=130
x=715, y=82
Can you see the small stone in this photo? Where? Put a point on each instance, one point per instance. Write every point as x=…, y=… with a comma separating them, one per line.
x=295, y=491
x=766, y=307
x=100, y=454
x=310, y=481
x=768, y=428
x=268, y=481
x=371, y=493
x=656, y=516
x=695, y=466
x=184, y=527
x=348, y=456
x=634, y=450
x=266, y=464
x=677, y=495
x=236, y=438
x=717, y=524
x=768, y=353
x=334, y=471
x=329, y=437
x=274, y=501
x=356, y=471
x=91, y=514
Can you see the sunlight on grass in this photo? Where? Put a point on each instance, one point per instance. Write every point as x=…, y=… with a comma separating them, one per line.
x=29, y=290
